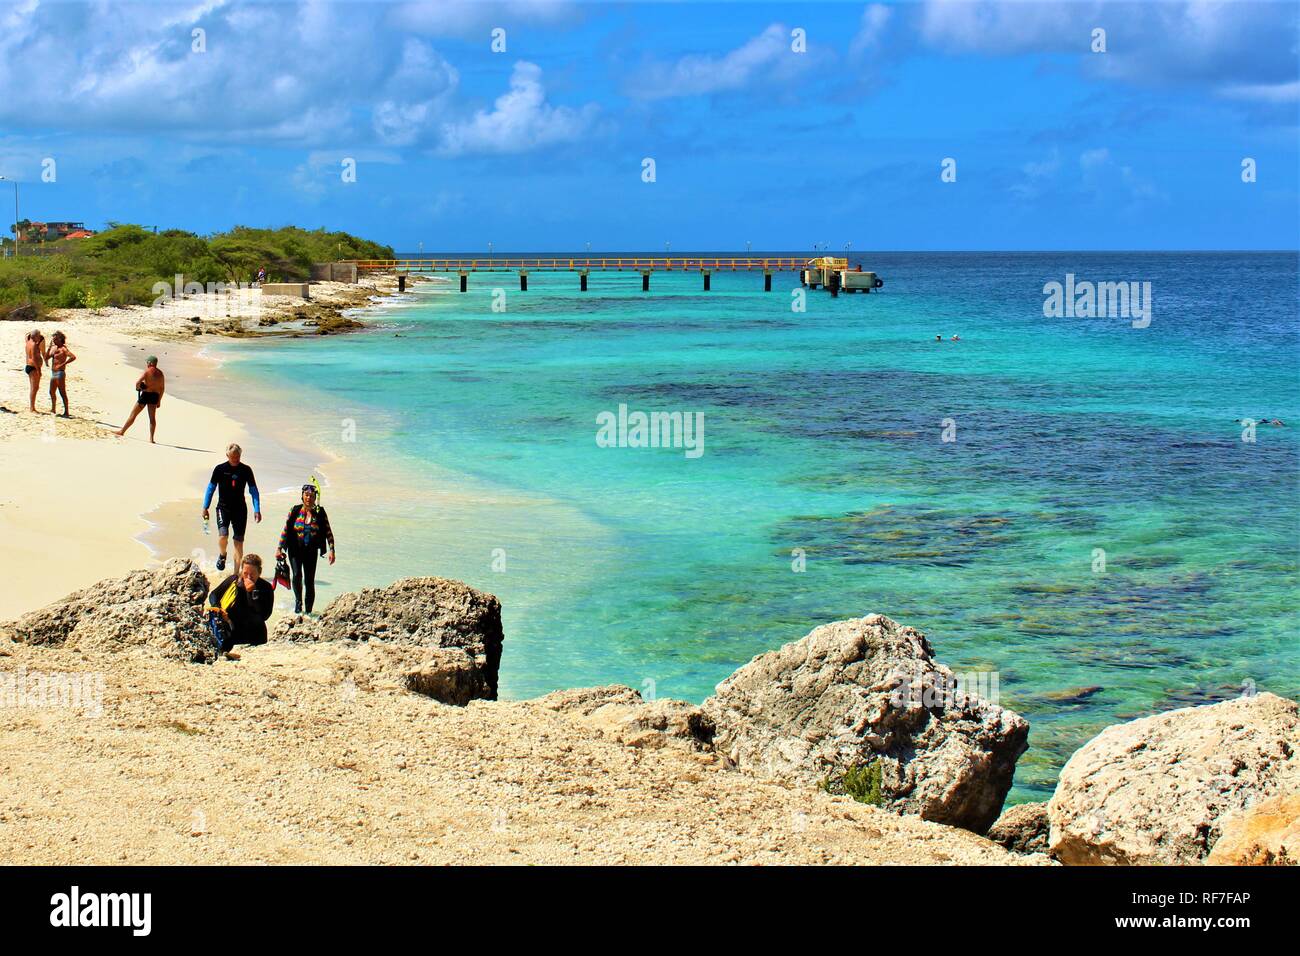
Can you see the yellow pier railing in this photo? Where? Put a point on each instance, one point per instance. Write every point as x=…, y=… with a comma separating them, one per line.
x=601, y=264
x=830, y=272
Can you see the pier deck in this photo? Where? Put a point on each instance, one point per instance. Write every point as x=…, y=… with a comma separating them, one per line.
x=827, y=271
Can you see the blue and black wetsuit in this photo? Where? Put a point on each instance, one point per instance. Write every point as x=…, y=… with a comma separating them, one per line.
x=229, y=481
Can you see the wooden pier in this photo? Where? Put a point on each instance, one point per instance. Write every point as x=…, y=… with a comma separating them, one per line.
x=832, y=274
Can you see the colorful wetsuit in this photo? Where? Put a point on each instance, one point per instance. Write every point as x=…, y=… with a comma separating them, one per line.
x=303, y=541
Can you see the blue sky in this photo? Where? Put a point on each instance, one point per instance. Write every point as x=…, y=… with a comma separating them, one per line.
x=541, y=147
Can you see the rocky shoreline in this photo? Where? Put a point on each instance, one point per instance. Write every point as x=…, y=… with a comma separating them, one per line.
x=852, y=727
x=245, y=312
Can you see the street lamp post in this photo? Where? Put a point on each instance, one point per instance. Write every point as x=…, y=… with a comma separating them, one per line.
x=15, y=182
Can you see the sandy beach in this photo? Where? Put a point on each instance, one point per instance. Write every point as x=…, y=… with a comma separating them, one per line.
x=77, y=503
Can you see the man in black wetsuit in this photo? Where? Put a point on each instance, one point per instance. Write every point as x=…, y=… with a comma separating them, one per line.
x=229, y=480
x=244, y=601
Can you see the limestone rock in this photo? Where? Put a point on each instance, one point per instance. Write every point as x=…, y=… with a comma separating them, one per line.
x=1022, y=828
x=1159, y=790
x=1265, y=834
x=161, y=608
x=620, y=713
x=20, y=313
x=869, y=690
x=442, y=636
x=582, y=701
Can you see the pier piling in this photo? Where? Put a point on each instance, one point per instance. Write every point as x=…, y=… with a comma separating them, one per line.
x=582, y=279
x=401, y=283
x=523, y=282
x=767, y=280
x=464, y=281
x=645, y=280
x=707, y=276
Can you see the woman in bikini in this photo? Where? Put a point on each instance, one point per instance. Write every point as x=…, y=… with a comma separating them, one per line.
x=34, y=346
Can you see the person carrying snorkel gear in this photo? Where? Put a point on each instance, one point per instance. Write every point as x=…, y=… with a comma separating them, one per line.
x=239, y=606
x=304, y=538
x=229, y=480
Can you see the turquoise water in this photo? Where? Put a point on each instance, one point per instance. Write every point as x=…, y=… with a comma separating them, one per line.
x=823, y=432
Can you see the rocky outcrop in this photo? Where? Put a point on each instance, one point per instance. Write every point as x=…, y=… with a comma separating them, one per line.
x=619, y=713
x=1022, y=828
x=1266, y=834
x=437, y=637
x=866, y=691
x=20, y=313
x=160, y=608
x=1159, y=790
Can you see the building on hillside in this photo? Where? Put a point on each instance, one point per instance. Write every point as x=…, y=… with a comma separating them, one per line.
x=29, y=231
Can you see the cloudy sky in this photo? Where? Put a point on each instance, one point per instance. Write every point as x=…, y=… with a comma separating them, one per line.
x=776, y=124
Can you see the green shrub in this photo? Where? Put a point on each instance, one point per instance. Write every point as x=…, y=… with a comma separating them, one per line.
x=72, y=295
x=120, y=265
x=862, y=783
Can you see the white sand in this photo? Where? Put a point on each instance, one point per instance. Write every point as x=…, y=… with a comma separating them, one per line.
x=73, y=495
x=75, y=500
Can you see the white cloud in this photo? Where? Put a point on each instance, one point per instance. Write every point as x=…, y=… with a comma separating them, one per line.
x=1094, y=158
x=519, y=120
x=478, y=17
x=1263, y=92
x=1037, y=176
x=1109, y=180
x=767, y=57
x=293, y=73
x=417, y=94
x=871, y=30
x=129, y=68
x=1242, y=50
x=1000, y=27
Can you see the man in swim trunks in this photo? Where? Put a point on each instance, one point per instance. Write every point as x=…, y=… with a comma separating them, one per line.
x=34, y=347
x=59, y=357
x=229, y=480
x=149, y=388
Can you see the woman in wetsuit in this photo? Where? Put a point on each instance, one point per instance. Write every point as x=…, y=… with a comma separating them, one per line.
x=239, y=606
x=306, y=533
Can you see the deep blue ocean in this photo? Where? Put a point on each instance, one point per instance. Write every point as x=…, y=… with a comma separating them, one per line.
x=1096, y=530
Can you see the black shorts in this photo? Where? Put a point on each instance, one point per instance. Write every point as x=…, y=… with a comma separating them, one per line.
x=147, y=398
x=232, y=521
x=29, y=369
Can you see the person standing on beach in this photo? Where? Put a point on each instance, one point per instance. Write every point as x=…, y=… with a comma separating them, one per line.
x=59, y=357
x=34, y=348
x=229, y=479
x=149, y=388
x=305, y=535
x=243, y=602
